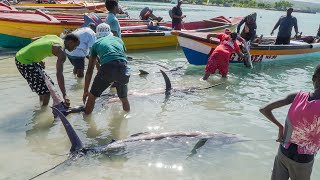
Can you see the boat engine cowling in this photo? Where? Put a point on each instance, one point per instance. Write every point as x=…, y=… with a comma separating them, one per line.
x=91, y=18
x=147, y=14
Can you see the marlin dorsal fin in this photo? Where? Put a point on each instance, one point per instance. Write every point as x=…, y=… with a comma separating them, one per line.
x=167, y=81
x=73, y=137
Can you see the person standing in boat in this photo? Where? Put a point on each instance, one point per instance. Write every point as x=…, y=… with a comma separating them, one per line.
x=250, y=27
x=177, y=16
x=285, y=24
x=29, y=61
x=113, y=60
x=219, y=59
x=77, y=57
x=300, y=138
x=112, y=7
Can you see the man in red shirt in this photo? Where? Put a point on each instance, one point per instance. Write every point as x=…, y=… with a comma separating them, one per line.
x=219, y=59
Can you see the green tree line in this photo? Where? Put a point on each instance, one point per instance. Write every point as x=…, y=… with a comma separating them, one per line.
x=281, y=5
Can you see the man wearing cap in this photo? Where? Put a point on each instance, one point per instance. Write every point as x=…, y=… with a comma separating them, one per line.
x=177, y=16
x=87, y=38
x=285, y=24
x=113, y=60
x=219, y=58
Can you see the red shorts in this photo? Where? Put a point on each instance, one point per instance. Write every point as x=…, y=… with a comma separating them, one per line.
x=218, y=61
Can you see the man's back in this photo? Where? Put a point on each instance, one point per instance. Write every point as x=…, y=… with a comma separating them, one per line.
x=114, y=24
x=39, y=49
x=176, y=10
x=109, y=48
x=87, y=39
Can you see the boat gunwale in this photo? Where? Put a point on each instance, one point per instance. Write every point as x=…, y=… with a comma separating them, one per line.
x=253, y=47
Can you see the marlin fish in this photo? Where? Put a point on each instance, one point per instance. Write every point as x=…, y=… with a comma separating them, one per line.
x=78, y=150
x=57, y=100
x=167, y=91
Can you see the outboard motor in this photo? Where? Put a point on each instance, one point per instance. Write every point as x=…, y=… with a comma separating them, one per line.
x=91, y=18
x=147, y=14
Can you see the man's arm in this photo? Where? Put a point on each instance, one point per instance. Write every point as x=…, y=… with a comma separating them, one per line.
x=240, y=54
x=267, y=112
x=275, y=26
x=296, y=26
x=240, y=24
x=88, y=77
x=210, y=35
x=58, y=51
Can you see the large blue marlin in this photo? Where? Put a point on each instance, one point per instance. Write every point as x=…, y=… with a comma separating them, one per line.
x=79, y=150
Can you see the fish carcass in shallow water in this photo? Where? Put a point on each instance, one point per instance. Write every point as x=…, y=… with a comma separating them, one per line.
x=167, y=91
x=78, y=150
x=57, y=100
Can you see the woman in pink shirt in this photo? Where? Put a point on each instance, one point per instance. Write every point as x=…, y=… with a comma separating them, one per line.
x=300, y=137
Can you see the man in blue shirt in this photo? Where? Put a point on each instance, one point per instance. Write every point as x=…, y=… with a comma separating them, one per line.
x=112, y=7
x=113, y=60
x=286, y=23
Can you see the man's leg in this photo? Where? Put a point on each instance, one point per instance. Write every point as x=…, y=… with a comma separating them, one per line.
x=278, y=41
x=98, y=86
x=30, y=72
x=90, y=104
x=280, y=171
x=78, y=63
x=122, y=91
x=45, y=99
x=286, y=41
x=211, y=67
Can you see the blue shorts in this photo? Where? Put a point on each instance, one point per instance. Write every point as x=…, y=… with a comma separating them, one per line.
x=77, y=62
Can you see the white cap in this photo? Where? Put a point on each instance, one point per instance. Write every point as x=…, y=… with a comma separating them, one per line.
x=103, y=30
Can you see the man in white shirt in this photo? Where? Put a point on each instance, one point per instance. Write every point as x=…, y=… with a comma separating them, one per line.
x=77, y=56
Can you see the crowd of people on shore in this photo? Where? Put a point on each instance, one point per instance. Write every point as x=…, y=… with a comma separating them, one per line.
x=103, y=46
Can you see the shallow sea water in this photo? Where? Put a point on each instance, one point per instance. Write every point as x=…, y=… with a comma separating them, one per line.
x=30, y=143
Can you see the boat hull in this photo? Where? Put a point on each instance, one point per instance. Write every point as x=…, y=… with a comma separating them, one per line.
x=19, y=26
x=197, y=52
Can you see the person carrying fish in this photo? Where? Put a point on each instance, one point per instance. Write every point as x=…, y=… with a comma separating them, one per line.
x=29, y=61
x=177, y=16
x=219, y=58
x=250, y=27
x=299, y=138
x=285, y=24
x=112, y=7
x=77, y=57
x=113, y=60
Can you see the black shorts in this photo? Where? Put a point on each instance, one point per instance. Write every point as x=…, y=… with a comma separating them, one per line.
x=113, y=72
x=283, y=40
x=77, y=62
x=31, y=73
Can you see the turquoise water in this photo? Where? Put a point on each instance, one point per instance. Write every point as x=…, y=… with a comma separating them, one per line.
x=31, y=143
